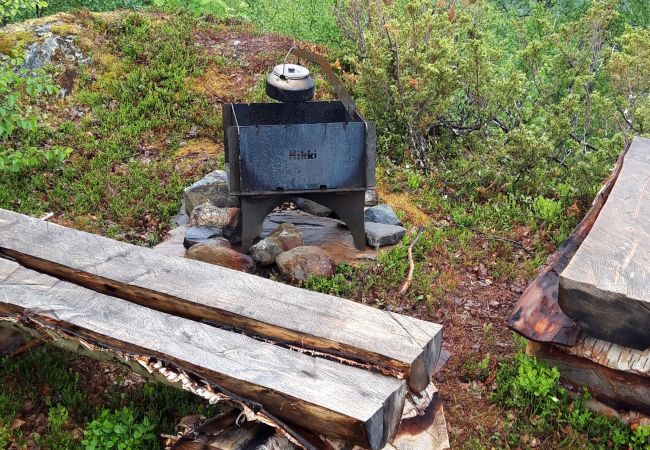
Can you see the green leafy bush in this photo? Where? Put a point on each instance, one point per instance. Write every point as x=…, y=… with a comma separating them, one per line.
x=512, y=103
x=9, y=9
x=548, y=210
x=57, y=416
x=118, y=430
x=218, y=8
x=19, y=89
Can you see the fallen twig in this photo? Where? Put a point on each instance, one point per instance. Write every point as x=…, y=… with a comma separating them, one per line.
x=502, y=239
x=409, y=277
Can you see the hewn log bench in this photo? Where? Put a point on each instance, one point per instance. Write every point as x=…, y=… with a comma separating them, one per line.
x=330, y=365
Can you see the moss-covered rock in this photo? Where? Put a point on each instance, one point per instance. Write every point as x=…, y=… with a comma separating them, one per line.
x=13, y=43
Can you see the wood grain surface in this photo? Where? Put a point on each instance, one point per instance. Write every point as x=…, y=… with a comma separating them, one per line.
x=331, y=398
x=199, y=291
x=606, y=285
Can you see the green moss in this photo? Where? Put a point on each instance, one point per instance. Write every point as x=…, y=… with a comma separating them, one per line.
x=64, y=29
x=14, y=43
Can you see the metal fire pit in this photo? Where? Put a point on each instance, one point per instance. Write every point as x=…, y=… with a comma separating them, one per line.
x=322, y=151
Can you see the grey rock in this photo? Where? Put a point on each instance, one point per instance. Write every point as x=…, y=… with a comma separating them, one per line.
x=181, y=218
x=380, y=234
x=371, y=198
x=219, y=254
x=208, y=215
x=266, y=250
x=196, y=235
x=301, y=262
x=212, y=188
x=283, y=238
x=381, y=214
x=311, y=207
x=40, y=54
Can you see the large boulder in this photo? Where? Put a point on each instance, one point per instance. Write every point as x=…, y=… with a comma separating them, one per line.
x=219, y=253
x=380, y=234
x=285, y=237
x=381, y=214
x=212, y=188
x=302, y=262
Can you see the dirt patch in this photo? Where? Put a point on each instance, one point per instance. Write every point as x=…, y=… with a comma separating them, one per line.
x=195, y=155
x=403, y=202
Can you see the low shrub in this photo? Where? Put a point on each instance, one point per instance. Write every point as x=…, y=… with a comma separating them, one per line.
x=532, y=391
x=118, y=430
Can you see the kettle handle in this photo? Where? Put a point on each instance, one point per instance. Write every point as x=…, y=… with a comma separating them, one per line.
x=333, y=80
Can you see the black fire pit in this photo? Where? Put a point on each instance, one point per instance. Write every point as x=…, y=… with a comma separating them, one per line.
x=322, y=151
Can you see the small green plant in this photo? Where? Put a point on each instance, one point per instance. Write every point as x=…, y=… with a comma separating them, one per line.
x=342, y=284
x=10, y=9
x=541, y=405
x=4, y=435
x=477, y=369
x=118, y=430
x=19, y=88
x=57, y=417
x=548, y=210
x=413, y=181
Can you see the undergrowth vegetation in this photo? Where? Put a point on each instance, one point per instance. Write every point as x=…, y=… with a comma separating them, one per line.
x=496, y=106
x=498, y=120
x=77, y=406
x=541, y=406
x=18, y=124
x=135, y=110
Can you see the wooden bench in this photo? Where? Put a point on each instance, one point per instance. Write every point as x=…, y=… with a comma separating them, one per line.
x=335, y=367
x=605, y=287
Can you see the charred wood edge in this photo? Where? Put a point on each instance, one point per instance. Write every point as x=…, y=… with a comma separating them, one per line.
x=398, y=369
x=420, y=412
x=149, y=366
x=537, y=314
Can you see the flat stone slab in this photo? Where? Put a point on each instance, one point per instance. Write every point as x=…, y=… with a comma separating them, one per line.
x=198, y=235
x=329, y=234
x=380, y=234
x=381, y=214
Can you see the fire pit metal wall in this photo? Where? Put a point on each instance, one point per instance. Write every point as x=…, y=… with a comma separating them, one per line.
x=322, y=151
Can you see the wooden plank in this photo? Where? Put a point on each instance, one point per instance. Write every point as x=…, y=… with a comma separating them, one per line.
x=606, y=285
x=622, y=390
x=334, y=399
x=402, y=345
x=537, y=314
